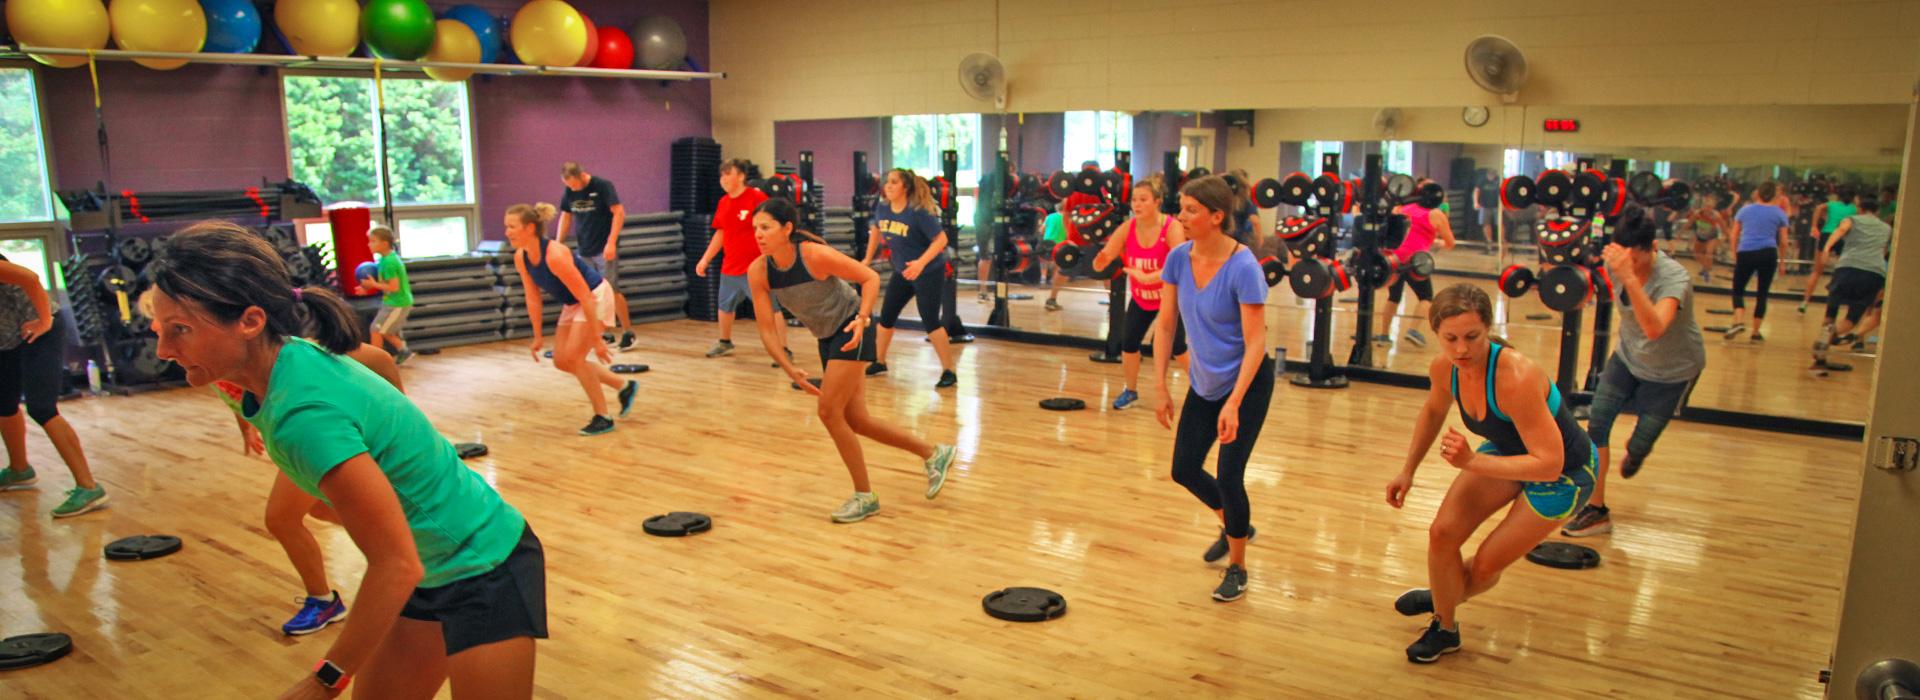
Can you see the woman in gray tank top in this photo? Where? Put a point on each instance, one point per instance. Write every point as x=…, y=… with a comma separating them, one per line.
x=811, y=280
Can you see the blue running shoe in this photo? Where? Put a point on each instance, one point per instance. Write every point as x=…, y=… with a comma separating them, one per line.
x=1127, y=399
x=315, y=613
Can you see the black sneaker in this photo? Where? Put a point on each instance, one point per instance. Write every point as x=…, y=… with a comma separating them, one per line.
x=1233, y=585
x=961, y=339
x=1433, y=644
x=1848, y=339
x=1860, y=346
x=600, y=425
x=876, y=369
x=627, y=341
x=1418, y=601
x=401, y=357
x=626, y=397
x=1219, y=549
x=1631, y=465
x=1591, y=520
x=947, y=379
x=1757, y=337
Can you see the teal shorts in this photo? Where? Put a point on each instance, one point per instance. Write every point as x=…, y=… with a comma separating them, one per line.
x=1561, y=498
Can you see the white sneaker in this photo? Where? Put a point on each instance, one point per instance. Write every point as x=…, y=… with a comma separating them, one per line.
x=937, y=467
x=857, y=508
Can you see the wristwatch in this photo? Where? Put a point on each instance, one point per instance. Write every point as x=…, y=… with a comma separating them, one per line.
x=330, y=676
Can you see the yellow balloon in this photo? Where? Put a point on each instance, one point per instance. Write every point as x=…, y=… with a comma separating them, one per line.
x=63, y=24
x=548, y=33
x=159, y=25
x=319, y=27
x=453, y=42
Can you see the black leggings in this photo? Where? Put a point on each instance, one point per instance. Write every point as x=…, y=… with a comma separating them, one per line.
x=1747, y=264
x=35, y=369
x=1200, y=429
x=1422, y=289
x=1138, y=320
x=925, y=292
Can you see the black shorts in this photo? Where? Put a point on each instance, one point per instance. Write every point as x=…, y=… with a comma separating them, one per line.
x=830, y=347
x=925, y=292
x=1422, y=289
x=1855, y=289
x=1139, y=320
x=507, y=602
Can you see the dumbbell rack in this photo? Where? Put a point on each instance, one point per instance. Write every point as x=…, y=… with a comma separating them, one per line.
x=1375, y=231
x=1329, y=200
x=1117, y=283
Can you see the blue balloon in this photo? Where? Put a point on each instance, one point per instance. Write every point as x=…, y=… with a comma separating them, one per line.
x=233, y=26
x=485, y=27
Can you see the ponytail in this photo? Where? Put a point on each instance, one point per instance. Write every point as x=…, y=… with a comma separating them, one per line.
x=919, y=193
x=535, y=215
x=226, y=269
x=785, y=213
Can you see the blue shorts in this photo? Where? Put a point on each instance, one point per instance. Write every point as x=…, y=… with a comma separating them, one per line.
x=1559, y=499
x=734, y=291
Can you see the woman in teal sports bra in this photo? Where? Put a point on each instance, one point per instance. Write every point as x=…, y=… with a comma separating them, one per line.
x=1535, y=461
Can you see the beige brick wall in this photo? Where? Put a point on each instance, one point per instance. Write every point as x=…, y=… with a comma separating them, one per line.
x=817, y=59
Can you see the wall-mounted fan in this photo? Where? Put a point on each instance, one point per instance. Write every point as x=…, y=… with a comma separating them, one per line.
x=1497, y=66
x=984, y=78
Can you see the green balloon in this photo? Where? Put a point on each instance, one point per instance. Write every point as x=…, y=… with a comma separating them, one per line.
x=401, y=30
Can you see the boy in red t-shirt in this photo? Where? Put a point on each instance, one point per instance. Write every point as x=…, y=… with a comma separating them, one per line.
x=733, y=224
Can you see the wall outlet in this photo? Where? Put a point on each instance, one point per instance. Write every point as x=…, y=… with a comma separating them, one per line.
x=1897, y=453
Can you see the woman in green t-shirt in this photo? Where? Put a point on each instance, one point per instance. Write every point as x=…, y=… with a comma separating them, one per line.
x=455, y=584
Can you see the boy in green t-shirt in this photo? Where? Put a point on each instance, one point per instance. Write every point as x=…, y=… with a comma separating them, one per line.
x=397, y=302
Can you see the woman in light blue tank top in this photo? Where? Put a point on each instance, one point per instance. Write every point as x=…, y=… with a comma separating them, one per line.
x=549, y=265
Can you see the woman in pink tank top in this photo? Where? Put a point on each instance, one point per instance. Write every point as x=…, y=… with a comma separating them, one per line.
x=1424, y=227
x=1142, y=244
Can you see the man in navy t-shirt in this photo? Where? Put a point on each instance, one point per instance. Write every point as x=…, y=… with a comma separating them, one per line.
x=590, y=209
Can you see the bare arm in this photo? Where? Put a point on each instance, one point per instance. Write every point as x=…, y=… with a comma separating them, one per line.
x=1433, y=414
x=1839, y=232
x=534, y=312
x=874, y=238
x=613, y=236
x=1522, y=391
x=1116, y=244
x=563, y=225
x=1733, y=235
x=1253, y=330
x=713, y=248
x=364, y=500
x=763, y=315
x=1442, y=227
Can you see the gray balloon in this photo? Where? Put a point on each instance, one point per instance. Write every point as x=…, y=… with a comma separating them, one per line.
x=658, y=43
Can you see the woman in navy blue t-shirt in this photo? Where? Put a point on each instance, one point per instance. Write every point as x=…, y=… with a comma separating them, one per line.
x=909, y=223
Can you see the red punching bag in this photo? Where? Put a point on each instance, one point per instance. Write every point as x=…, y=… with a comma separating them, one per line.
x=350, y=222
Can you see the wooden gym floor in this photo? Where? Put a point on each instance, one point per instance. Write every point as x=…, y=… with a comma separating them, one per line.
x=1721, y=581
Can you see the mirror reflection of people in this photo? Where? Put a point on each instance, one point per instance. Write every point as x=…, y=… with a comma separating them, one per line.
x=1708, y=222
x=1424, y=227
x=1486, y=202
x=1142, y=245
x=33, y=349
x=1826, y=217
x=1652, y=369
x=1859, y=249
x=1759, y=234
x=1534, y=461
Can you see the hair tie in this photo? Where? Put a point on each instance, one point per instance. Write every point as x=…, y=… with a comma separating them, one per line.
x=298, y=296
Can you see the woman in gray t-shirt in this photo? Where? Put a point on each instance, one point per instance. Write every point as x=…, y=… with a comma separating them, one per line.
x=1659, y=356
x=1859, y=275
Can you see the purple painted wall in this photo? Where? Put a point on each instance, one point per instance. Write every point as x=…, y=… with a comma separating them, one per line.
x=833, y=142
x=221, y=127
x=198, y=127
x=1155, y=133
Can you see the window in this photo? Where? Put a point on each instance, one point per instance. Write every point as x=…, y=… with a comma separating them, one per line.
x=1557, y=160
x=1094, y=136
x=918, y=140
x=1310, y=152
x=1513, y=162
x=335, y=147
x=1397, y=156
x=31, y=253
x=435, y=236
x=1663, y=168
x=24, y=193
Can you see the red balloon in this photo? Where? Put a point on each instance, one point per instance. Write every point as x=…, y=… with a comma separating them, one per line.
x=593, y=43
x=616, y=49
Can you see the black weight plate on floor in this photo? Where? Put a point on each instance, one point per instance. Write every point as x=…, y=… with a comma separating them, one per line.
x=676, y=524
x=470, y=450
x=1714, y=329
x=1062, y=403
x=1564, y=555
x=1024, y=604
x=29, y=650
x=629, y=369
x=140, y=547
